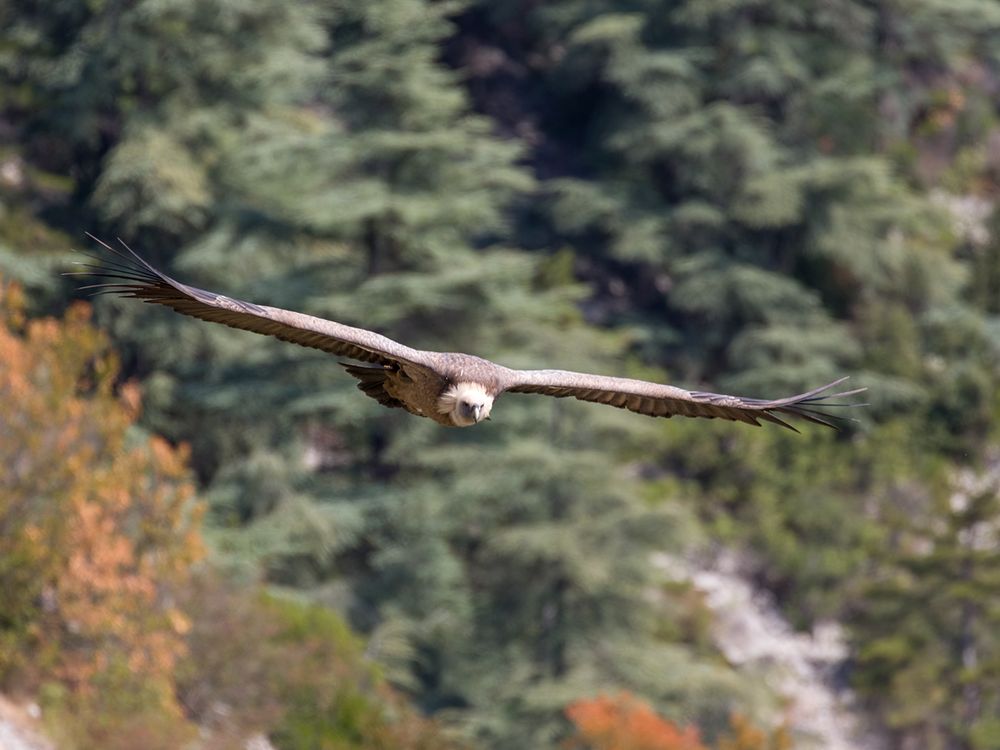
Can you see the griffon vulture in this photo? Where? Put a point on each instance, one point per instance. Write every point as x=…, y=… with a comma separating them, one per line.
x=453, y=389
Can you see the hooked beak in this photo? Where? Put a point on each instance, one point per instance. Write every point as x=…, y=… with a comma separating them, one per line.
x=476, y=411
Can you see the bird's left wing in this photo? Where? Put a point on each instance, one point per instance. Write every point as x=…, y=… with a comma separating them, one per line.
x=658, y=400
x=131, y=276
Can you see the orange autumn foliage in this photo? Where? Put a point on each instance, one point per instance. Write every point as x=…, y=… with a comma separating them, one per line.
x=97, y=522
x=623, y=722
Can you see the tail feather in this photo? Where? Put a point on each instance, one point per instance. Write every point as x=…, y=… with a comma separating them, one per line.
x=371, y=382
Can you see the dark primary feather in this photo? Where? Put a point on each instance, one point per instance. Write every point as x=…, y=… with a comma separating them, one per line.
x=131, y=276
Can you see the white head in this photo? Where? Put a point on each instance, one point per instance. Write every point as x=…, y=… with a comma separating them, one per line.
x=466, y=404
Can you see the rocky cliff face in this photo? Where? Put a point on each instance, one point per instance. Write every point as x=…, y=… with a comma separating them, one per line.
x=19, y=727
x=802, y=668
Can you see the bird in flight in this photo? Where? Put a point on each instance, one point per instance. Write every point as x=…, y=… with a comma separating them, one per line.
x=453, y=389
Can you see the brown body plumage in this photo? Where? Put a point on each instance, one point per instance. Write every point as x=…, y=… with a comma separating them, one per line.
x=451, y=388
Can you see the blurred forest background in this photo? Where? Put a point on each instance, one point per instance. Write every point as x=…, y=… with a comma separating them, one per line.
x=207, y=536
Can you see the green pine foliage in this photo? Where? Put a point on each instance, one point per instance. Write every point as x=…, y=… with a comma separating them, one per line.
x=932, y=671
x=728, y=195
x=369, y=192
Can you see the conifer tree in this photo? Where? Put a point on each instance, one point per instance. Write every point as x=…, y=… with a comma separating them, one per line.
x=734, y=191
x=926, y=624
x=334, y=167
x=727, y=175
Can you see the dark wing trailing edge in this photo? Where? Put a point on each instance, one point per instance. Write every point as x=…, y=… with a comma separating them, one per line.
x=656, y=400
x=131, y=276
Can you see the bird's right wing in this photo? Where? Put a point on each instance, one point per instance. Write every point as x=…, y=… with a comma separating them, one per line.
x=656, y=400
x=131, y=276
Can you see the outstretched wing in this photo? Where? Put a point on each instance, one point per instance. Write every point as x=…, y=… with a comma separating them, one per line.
x=131, y=276
x=658, y=400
